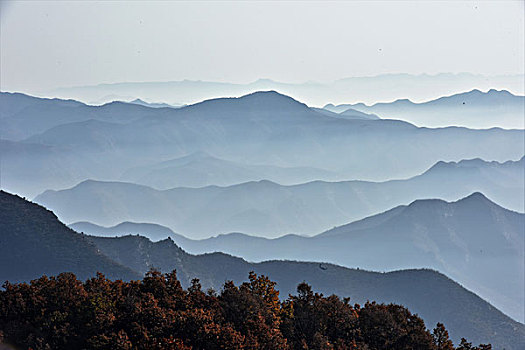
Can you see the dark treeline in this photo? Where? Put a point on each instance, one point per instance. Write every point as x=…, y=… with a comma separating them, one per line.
x=157, y=313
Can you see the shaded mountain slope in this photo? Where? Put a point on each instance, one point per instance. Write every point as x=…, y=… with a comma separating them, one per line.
x=33, y=242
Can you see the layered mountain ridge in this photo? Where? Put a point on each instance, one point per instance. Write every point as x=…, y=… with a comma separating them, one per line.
x=475, y=108
x=432, y=295
x=269, y=209
x=264, y=128
x=473, y=240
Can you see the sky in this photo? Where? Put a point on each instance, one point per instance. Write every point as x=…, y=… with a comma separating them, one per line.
x=45, y=45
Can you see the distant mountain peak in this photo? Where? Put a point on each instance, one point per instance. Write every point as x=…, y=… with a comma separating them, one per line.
x=266, y=184
x=270, y=98
x=501, y=92
x=266, y=101
x=351, y=113
x=269, y=94
x=492, y=92
x=143, y=103
x=138, y=100
x=476, y=162
x=264, y=81
x=403, y=100
x=490, y=96
x=469, y=163
x=475, y=91
x=475, y=197
x=99, y=184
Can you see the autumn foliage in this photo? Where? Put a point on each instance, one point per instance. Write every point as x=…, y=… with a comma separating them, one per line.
x=157, y=313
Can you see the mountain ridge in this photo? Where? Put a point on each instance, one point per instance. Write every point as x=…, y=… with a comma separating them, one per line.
x=247, y=129
x=268, y=209
x=431, y=233
x=165, y=255
x=383, y=87
x=32, y=236
x=474, y=108
x=412, y=288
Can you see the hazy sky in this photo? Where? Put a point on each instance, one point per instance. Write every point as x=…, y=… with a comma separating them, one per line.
x=51, y=44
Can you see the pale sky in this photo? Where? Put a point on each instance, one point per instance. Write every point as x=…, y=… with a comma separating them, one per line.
x=54, y=44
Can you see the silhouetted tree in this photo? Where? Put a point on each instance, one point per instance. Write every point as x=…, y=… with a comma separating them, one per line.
x=441, y=338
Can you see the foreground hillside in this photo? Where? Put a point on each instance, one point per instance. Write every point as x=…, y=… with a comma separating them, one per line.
x=33, y=242
x=430, y=294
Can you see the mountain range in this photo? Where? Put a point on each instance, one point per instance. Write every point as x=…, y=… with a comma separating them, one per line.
x=267, y=209
x=432, y=295
x=475, y=241
x=23, y=116
x=138, y=101
x=264, y=128
x=268, y=165
x=368, y=89
x=475, y=109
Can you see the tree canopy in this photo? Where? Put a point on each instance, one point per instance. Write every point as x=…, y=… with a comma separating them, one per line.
x=157, y=313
